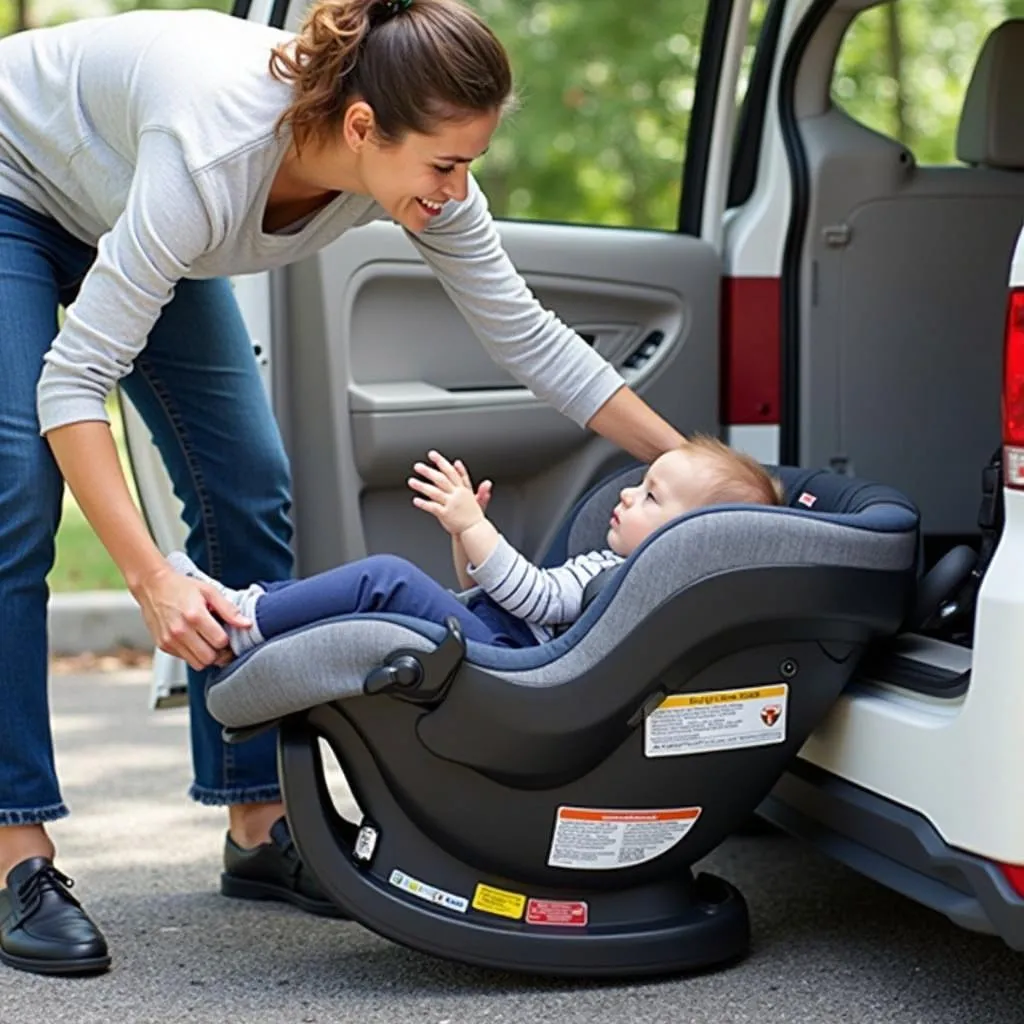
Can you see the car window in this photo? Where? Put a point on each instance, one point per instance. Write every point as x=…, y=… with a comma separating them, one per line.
x=606, y=91
x=606, y=95
x=903, y=68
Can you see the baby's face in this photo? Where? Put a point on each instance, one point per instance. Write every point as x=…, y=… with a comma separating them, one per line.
x=675, y=483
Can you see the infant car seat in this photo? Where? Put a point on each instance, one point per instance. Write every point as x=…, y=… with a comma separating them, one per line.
x=541, y=809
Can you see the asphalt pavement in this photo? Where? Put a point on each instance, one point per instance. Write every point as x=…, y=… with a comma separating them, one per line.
x=828, y=946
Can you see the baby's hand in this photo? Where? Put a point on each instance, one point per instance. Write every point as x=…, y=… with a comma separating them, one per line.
x=483, y=492
x=447, y=494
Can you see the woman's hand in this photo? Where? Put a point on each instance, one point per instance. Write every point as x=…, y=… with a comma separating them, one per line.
x=177, y=612
x=447, y=494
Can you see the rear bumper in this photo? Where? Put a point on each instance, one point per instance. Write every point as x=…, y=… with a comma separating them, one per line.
x=896, y=847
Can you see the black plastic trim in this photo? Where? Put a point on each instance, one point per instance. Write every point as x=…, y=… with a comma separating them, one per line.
x=278, y=13
x=888, y=666
x=241, y=8
x=702, y=116
x=750, y=130
x=789, y=377
x=896, y=847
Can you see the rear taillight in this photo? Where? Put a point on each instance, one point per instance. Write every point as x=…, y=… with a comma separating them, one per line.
x=1013, y=392
x=1015, y=876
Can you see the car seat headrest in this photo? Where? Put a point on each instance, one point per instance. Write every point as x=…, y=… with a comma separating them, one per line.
x=817, y=491
x=991, y=132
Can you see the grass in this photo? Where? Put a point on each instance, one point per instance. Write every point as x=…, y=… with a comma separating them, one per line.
x=82, y=563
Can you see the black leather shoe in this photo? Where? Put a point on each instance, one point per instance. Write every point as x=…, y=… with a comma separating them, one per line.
x=273, y=871
x=43, y=928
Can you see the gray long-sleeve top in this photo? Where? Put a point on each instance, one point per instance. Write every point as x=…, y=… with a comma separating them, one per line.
x=151, y=136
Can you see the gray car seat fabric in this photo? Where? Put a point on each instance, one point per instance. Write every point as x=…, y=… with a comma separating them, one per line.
x=542, y=809
x=991, y=132
x=329, y=661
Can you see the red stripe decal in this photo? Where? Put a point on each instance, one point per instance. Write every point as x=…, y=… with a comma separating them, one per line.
x=750, y=350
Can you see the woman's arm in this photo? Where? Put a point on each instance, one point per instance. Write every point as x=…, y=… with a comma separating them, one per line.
x=628, y=421
x=464, y=249
x=150, y=247
x=139, y=262
x=174, y=607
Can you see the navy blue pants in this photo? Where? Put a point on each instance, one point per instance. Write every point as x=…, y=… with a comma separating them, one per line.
x=384, y=583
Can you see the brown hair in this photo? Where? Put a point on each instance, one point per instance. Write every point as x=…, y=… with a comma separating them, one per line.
x=415, y=64
x=740, y=478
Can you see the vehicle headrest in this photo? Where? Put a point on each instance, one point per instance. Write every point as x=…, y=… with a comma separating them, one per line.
x=991, y=132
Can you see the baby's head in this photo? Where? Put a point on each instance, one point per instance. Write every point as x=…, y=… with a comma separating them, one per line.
x=704, y=471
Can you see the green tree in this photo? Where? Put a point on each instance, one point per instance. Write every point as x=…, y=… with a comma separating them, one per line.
x=606, y=93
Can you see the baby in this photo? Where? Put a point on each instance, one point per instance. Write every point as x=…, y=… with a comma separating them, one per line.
x=518, y=604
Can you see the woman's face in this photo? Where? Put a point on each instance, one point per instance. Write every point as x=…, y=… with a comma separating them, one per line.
x=411, y=179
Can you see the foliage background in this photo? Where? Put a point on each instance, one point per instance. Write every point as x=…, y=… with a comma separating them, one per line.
x=606, y=88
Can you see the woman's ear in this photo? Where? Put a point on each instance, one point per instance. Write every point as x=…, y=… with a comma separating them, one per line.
x=358, y=124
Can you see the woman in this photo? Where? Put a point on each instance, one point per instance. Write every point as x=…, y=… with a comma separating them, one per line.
x=143, y=159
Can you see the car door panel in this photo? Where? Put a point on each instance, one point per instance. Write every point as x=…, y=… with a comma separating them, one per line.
x=369, y=364
x=378, y=353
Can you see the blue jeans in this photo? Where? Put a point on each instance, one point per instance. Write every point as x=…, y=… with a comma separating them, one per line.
x=197, y=386
x=384, y=583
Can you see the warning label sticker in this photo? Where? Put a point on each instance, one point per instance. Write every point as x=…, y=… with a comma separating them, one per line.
x=557, y=913
x=430, y=893
x=602, y=840
x=696, y=723
x=498, y=901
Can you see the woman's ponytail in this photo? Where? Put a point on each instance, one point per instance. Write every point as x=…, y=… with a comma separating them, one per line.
x=322, y=56
x=413, y=61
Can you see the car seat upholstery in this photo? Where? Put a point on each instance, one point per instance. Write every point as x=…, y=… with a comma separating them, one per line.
x=539, y=809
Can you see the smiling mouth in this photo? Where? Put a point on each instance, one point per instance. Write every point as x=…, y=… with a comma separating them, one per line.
x=430, y=206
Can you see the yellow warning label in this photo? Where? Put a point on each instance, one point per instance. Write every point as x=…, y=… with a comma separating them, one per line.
x=699, y=723
x=692, y=700
x=499, y=901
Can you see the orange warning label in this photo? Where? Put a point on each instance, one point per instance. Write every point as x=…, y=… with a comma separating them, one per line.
x=557, y=913
x=576, y=814
x=603, y=839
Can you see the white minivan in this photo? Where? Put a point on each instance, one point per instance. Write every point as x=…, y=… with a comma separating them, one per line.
x=824, y=283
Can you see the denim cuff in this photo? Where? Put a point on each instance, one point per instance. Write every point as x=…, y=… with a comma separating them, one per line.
x=33, y=817
x=227, y=797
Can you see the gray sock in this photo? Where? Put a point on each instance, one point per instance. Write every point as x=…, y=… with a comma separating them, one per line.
x=241, y=640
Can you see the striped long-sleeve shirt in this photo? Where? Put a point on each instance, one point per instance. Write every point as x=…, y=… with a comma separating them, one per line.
x=541, y=597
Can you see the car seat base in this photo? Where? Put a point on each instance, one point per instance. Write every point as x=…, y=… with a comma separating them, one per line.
x=391, y=877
